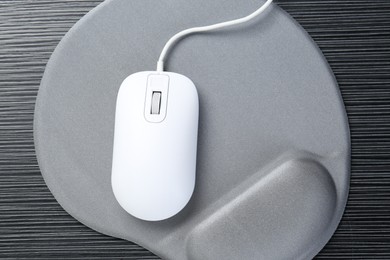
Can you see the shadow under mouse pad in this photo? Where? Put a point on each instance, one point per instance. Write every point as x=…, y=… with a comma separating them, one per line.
x=273, y=150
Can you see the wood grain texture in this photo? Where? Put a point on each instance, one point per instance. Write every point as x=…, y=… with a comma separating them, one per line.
x=355, y=38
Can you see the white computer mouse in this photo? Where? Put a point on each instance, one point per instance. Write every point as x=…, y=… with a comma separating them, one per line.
x=155, y=144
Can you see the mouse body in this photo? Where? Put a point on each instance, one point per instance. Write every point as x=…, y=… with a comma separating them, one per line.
x=155, y=144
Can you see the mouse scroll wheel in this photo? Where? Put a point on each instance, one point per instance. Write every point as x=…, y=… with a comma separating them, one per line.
x=156, y=103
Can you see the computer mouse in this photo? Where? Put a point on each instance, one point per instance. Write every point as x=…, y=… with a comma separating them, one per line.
x=155, y=144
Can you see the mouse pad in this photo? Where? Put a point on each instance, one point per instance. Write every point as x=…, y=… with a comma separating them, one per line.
x=273, y=149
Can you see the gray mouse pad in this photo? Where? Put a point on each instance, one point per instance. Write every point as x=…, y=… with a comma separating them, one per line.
x=273, y=150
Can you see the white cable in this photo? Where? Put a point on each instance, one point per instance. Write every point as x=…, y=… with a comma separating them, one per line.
x=178, y=36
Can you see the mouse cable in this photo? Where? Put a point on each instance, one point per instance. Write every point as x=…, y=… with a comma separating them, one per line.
x=180, y=35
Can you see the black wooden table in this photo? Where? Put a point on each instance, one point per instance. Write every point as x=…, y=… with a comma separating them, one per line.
x=354, y=35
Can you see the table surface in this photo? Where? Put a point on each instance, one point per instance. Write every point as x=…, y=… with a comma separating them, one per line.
x=353, y=35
